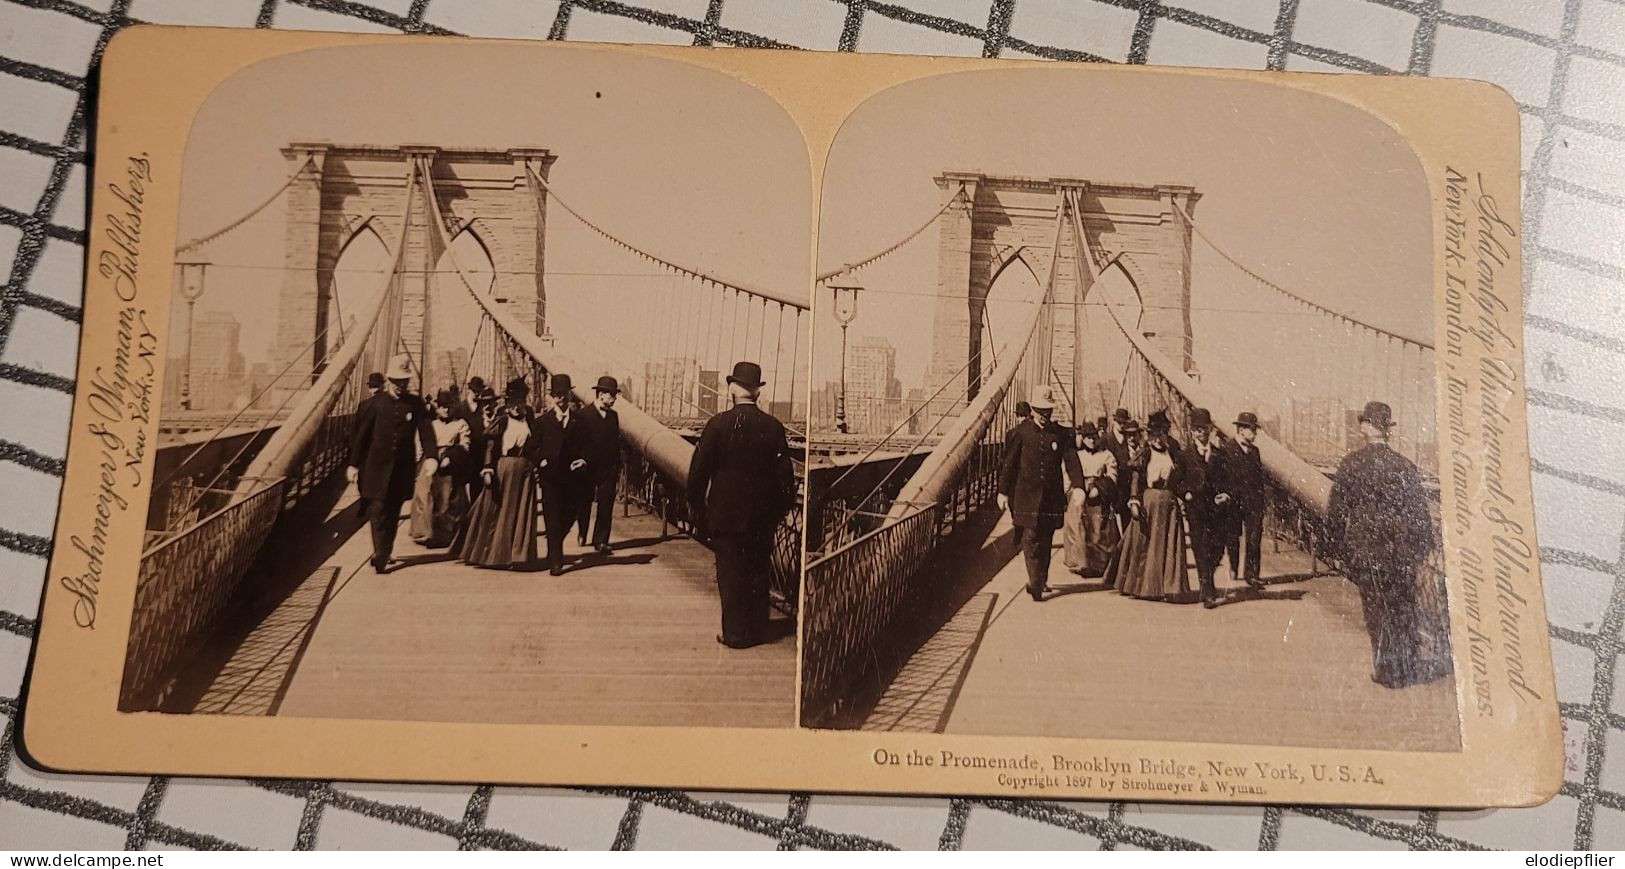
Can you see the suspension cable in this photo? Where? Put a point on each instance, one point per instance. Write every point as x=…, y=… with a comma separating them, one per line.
x=1288, y=293
x=852, y=267
x=205, y=239
x=696, y=274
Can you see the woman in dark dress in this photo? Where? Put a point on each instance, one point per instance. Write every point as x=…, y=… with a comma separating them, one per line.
x=501, y=530
x=1151, y=564
x=442, y=499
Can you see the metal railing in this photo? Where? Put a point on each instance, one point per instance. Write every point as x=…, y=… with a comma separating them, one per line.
x=185, y=583
x=854, y=596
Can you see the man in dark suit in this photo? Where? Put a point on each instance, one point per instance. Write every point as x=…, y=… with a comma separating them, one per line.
x=741, y=482
x=604, y=455
x=1031, y=486
x=1207, y=504
x=1244, y=471
x=383, y=464
x=562, y=466
x=1379, y=523
x=1116, y=439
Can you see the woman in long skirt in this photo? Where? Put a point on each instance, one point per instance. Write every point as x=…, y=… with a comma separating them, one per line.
x=1152, y=563
x=1090, y=534
x=442, y=502
x=501, y=530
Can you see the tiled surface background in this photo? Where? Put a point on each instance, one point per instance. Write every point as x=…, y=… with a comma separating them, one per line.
x=1564, y=62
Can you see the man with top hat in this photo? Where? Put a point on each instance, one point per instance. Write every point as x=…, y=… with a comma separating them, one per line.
x=1207, y=503
x=604, y=457
x=1244, y=471
x=1380, y=525
x=741, y=483
x=1031, y=486
x=384, y=460
x=375, y=383
x=562, y=468
x=1117, y=438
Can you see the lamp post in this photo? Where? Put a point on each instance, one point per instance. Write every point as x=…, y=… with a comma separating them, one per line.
x=845, y=308
x=190, y=269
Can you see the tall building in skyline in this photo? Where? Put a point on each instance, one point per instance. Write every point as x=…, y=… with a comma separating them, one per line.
x=874, y=395
x=216, y=365
x=671, y=388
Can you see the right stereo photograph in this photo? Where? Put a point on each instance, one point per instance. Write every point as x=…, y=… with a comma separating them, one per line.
x=1129, y=430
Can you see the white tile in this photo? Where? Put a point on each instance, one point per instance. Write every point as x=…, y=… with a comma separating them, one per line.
x=1175, y=44
x=42, y=341
x=1586, y=159
x=1576, y=671
x=59, y=273
x=890, y=36
x=447, y=801
x=1515, y=829
x=43, y=428
x=1104, y=30
x=70, y=207
x=1600, y=25
x=515, y=19
x=566, y=819
x=815, y=25
x=1613, y=761
x=22, y=577
x=1574, y=749
x=1582, y=371
x=1523, y=68
x=36, y=109
x=24, y=176
x=1568, y=295
x=343, y=830
x=992, y=830
x=214, y=13
x=1366, y=30
x=13, y=661
x=29, y=505
x=588, y=26
x=233, y=810
x=394, y=7
x=1583, y=227
x=910, y=824
x=665, y=830
x=10, y=238
x=291, y=17
x=48, y=38
x=1299, y=63
x=1571, y=516
x=1304, y=833
x=41, y=830
x=1244, y=13
x=694, y=9
x=1608, y=829
x=1530, y=131
x=1224, y=827
x=1544, y=17
x=1575, y=596
x=118, y=791
x=1594, y=90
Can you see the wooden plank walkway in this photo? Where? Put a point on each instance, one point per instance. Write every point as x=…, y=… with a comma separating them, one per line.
x=1287, y=666
x=627, y=638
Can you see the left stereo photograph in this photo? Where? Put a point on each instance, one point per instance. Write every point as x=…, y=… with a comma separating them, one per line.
x=445, y=358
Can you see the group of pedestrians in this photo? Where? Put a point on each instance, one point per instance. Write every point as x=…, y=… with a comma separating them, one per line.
x=1132, y=500
x=474, y=467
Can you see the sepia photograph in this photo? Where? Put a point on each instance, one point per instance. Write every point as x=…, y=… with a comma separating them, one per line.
x=1122, y=419
x=483, y=398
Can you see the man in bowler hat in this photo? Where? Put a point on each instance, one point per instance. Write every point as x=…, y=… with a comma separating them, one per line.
x=604, y=457
x=1031, y=486
x=562, y=467
x=383, y=463
x=1244, y=471
x=1208, y=504
x=1380, y=525
x=741, y=482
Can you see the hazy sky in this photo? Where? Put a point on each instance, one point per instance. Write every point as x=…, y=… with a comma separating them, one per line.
x=686, y=162
x=1312, y=192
